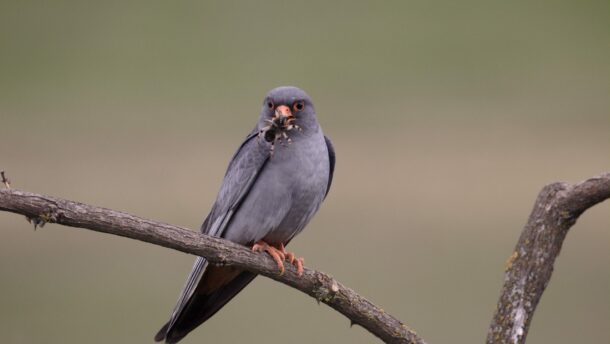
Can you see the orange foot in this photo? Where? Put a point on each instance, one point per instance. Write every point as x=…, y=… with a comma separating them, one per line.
x=294, y=260
x=279, y=255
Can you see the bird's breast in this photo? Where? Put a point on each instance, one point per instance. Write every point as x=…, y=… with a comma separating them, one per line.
x=302, y=178
x=286, y=195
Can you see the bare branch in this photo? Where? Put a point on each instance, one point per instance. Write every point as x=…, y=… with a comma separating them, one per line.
x=319, y=285
x=529, y=268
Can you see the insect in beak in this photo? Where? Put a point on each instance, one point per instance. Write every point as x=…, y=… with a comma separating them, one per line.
x=281, y=122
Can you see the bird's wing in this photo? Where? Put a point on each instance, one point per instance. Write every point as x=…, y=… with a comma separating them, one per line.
x=331, y=160
x=242, y=172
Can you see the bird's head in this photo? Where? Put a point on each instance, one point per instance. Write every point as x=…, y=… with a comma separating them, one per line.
x=288, y=109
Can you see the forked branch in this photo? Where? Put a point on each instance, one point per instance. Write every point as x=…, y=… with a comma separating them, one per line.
x=529, y=268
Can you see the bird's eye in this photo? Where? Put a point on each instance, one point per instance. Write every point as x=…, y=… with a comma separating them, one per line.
x=270, y=104
x=298, y=106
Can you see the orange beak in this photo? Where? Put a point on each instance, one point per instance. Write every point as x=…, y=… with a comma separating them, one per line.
x=283, y=111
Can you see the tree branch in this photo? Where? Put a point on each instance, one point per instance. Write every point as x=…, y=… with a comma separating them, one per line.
x=529, y=268
x=324, y=288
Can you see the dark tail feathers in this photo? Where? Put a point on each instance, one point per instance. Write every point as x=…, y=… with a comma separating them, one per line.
x=200, y=308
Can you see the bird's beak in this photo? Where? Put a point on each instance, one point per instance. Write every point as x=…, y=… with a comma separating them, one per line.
x=283, y=111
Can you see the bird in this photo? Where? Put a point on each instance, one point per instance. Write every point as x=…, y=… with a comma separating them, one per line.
x=274, y=184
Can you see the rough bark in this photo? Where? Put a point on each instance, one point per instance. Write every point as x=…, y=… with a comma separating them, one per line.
x=42, y=209
x=530, y=267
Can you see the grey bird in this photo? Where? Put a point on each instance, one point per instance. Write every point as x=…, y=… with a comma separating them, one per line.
x=274, y=184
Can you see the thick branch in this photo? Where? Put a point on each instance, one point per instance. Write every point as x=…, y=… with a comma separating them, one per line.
x=218, y=251
x=529, y=268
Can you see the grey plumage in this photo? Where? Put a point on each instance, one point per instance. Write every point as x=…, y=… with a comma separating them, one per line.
x=270, y=192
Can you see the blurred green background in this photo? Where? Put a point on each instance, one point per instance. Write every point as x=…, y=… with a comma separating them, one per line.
x=448, y=117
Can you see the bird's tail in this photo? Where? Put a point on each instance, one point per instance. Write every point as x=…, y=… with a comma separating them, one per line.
x=162, y=333
x=202, y=305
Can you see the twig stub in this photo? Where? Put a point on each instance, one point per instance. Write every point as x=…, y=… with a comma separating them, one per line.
x=5, y=180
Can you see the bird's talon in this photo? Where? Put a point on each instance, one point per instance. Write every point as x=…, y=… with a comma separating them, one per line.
x=299, y=265
x=277, y=255
x=280, y=255
x=290, y=257
x=294, y=260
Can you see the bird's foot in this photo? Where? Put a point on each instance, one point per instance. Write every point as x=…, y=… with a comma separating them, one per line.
x=277, y=255
x=294, y=260
x=280, y=255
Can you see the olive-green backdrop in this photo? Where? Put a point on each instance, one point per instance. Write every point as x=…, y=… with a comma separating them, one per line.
x=447, y=116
